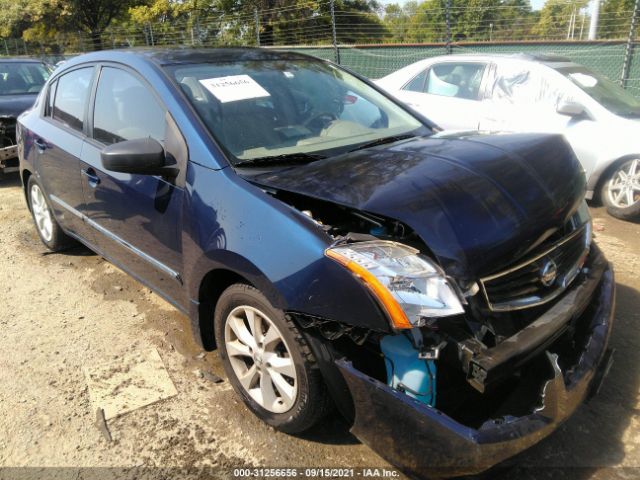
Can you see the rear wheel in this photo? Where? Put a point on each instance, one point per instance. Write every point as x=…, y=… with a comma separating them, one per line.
x=47, y=227
x=268, y=361
x=621, y=190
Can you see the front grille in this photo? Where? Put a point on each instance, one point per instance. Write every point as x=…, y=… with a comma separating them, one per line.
x=541, y=278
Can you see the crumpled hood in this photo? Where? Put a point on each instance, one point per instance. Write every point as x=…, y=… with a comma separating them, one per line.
x=479, y=202
x=14, y=105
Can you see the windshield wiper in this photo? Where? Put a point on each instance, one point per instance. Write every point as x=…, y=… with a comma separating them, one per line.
x=284, y=159
x=383, y=141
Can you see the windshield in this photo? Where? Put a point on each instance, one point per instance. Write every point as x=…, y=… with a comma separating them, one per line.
x=270, y=108
x=20, y=78
x=608, y=94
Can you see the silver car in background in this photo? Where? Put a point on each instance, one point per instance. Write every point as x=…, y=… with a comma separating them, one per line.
x=536, y=93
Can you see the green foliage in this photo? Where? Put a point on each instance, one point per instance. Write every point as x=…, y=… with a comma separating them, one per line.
x=555, y=17
x=472, y=20
x=615, y=18
x=89, y=23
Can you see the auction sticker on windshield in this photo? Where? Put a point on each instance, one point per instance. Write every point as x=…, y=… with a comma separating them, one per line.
x=234, y=88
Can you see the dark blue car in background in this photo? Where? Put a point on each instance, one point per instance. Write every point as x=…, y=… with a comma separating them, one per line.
x=21, y=79
x=442, y=290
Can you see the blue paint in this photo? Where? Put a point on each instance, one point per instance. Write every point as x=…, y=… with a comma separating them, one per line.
x=406, y=372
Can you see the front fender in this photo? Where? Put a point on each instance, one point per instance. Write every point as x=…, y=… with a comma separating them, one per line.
x=238, y=227
x=228, y=261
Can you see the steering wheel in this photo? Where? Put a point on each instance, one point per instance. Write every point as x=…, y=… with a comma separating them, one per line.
x=324, y=117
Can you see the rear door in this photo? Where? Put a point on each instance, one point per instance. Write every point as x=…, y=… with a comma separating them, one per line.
x=137, y=217
x=448, y=93
x=58, y=141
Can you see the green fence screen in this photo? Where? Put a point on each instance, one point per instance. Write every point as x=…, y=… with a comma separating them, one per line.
x=376, y=61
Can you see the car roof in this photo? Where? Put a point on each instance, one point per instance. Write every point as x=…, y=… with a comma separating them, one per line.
x=188, y=55
x=20, y=60
x=544, y=58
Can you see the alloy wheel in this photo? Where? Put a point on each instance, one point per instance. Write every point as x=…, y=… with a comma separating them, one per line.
x=624, y=186
x=261, y=359
x=41, y=213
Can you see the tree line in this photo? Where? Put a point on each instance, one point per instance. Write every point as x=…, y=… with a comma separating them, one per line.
x=504, y=20
x=297, y=22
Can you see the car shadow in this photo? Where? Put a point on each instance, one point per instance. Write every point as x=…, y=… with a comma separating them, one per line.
x=333, y=430
x=75, y=250
x=592, y=439
x=9, y=180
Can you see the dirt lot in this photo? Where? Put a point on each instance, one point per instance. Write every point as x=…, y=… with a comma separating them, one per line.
x=61, y=312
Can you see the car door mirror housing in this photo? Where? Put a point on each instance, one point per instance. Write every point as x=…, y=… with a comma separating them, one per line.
x=571, y=109
x=143, y=156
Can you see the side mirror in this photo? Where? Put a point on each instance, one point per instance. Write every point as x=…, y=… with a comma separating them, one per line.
x=143, y=156
x=571, y=109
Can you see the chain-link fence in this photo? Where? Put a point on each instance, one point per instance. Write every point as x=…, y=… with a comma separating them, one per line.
x=377, y=43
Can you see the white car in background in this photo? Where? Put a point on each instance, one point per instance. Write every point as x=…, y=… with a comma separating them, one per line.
x=527, y=93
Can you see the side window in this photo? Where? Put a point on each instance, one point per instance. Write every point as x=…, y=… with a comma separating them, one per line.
x=418, y=82
x=71, y=97
x=125, y=109
x=50, y=96
x=459, y=80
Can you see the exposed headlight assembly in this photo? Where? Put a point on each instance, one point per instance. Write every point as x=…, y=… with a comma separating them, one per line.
x=409, y=286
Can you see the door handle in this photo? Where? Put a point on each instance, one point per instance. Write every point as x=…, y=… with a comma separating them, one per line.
x=92, y=176
x=41, y=144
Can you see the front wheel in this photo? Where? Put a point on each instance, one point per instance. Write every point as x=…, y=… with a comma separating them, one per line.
x=621, y=190
x=267, y=361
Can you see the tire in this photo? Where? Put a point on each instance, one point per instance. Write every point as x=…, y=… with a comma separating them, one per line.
x=47, y=227
x=624, y=177
x=291, y=409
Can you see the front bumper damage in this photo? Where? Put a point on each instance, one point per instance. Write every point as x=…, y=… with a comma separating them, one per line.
x=9, y=159
x=421, y=440
x=8, y=146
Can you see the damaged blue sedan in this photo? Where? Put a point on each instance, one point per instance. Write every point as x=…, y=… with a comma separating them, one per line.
x=442, y=290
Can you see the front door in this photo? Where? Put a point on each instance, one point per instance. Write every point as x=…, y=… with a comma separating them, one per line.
x=137, y=217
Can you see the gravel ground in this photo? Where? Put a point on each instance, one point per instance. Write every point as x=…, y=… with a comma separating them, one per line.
x=60, y=312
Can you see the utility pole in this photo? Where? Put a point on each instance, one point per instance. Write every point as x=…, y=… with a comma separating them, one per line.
x=336, y=50
x=194, y=22
x=595, y=14
x=629, y=49
x=257, y=20
x=448, y=20
x=572, y=24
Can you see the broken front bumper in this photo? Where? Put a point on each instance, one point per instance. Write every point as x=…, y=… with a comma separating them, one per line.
x=9, y=159
x=421, y=440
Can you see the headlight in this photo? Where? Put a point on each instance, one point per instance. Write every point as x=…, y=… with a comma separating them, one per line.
x=409, y=286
